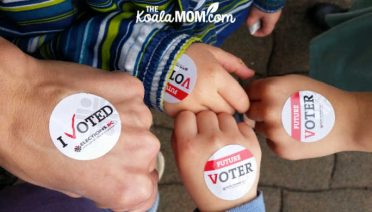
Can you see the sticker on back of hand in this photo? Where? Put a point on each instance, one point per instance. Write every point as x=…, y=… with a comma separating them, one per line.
x=308, y=116
x=84, y=126
x=230, y=172
x=181, y=81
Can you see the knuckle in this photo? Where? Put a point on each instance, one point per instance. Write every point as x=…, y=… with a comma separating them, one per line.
x=152, y=143
x=145, y=190
x=214, y=138
x=135, y=85
x=146, y=116
x=204, y=114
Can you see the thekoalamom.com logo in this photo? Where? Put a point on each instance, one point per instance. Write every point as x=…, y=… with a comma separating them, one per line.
x=154, y=16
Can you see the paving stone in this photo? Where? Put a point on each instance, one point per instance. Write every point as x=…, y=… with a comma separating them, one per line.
x=255, y=52
x=355, y=200
x=353, y=169
x=162, y=119
x=312, y=174
x=174, y=198
x=170, y=173
x=292, y=36
x=272, y=197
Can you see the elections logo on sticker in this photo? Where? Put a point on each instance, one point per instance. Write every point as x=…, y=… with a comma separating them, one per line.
x=230, y=172
x=181, y=81
x=84, y=126
x=308, y=116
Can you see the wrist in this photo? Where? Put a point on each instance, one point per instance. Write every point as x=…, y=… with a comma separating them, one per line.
x=215, y=204
x=167, y=47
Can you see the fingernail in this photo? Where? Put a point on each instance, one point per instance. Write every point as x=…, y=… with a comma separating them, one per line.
x=255, y=27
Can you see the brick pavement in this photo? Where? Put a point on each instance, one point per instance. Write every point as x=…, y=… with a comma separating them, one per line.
x=340, y=182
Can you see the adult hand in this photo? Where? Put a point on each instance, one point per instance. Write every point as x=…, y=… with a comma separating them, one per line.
x=196, y=138
x=267, y=21
x=215, y=88
x=123, y=179
x=267, y=100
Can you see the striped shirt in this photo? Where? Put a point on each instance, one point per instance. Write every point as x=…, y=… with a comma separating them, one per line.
x=104, y=33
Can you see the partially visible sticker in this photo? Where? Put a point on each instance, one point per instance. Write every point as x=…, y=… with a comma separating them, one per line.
x=84, y=126
x=182, y=80
x=308, y=116
x=230, y=172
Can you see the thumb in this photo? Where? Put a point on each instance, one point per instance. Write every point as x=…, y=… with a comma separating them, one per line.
x=252, y=19
x=231, y=63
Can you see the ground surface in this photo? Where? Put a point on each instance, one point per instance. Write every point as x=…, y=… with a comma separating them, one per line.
x=340, y=182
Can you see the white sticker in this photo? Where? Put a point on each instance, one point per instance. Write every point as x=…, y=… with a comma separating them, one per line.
x=255, y=27
x=182, y=80
x=230, y=172
x=308, y=116
x=84, y=126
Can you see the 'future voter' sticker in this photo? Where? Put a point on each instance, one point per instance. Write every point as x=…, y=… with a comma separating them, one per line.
x=84, y=126
x=230, y=172
x=308, y=116
x=182, y=80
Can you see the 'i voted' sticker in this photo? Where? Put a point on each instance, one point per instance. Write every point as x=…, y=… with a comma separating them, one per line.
x=230, y=172
x=308, y=116
x=84, y=126
x=181, y=81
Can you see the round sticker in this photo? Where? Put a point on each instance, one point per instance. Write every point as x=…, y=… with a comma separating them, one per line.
x=181, y=81
x=230, y=172
x=308, y=116
x=84, y=126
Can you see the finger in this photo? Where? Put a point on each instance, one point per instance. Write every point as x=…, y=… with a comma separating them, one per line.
x=207, y=122
x=251, y=123
x=233, y=93
x=246, y=131
x=252, y=19
x=143, y=146
x=255, y=111
x=142, y=198
x=145, y=205
x=227, y=123
x=135, y=113
x=266, y=28
x=232, y=63
x=185, y=126
x=220, y=105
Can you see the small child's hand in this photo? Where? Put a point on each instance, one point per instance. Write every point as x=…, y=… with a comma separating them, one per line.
x=310, y=127
x=234, y=172
x=215, y=88
x=267, y=21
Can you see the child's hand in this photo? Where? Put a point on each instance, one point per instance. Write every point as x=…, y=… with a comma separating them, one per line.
x=267, y=21
x=268, y=97
x=215, y=88
x=196, y=138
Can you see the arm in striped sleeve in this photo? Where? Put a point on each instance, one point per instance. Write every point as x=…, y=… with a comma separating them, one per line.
x=112, y=42
x=269, y=6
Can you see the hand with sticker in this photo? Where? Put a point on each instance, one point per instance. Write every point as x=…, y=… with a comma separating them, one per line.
x=218, y=159
x=261, y=23
x=97, y=146
x=202, y=80
x=304, y=118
